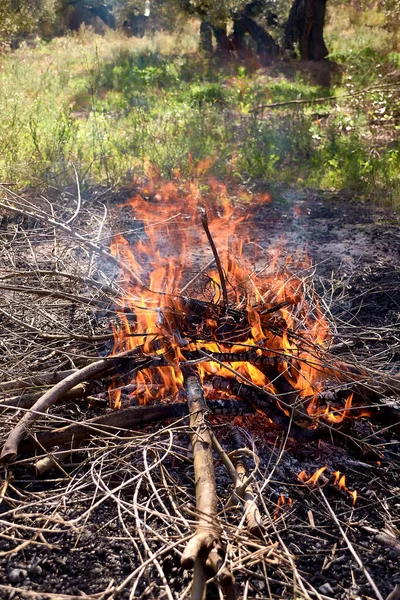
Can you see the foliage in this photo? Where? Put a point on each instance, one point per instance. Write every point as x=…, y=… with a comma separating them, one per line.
x=19, y=16
x=113, y=105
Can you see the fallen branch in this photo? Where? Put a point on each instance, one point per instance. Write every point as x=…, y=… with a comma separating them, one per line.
x=35, y=380
x=322, y=100
x=10, y=448
x=204, y=553
x=127, y=419
x=78, y=392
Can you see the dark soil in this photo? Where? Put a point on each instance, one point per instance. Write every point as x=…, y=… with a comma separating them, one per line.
x=355, y=249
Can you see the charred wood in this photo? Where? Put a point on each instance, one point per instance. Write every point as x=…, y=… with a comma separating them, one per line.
x=266, y=403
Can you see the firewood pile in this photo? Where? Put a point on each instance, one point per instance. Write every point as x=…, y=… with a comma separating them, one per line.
x=165, y=377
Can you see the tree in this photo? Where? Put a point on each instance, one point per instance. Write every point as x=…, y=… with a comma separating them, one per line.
x=19, y=17
x=305, y=26
x=245, y=23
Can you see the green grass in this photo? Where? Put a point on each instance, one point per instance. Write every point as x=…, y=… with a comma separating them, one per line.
x=118, y=107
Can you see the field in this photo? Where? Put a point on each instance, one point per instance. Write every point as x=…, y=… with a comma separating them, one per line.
x=117, y=108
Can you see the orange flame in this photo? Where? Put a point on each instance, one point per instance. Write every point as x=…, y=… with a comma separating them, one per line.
x=303, y=477
x=283, y=319
x=283, y=500
x=340, y=481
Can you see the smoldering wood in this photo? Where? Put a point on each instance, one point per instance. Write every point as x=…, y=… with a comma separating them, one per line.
x=266, y=403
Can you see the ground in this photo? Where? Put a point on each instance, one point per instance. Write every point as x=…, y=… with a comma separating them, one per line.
x=116, y=510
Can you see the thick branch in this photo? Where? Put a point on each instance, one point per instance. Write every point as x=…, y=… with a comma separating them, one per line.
x=204, y=552
x=10, y=448
x=127, y=419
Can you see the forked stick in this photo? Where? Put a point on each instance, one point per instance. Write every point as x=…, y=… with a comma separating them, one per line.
x=242, y=484
x=204, y=553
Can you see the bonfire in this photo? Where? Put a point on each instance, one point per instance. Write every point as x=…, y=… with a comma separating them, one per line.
x=207, y=329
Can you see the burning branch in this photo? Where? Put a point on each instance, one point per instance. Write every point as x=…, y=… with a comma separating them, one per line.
x=204, y=222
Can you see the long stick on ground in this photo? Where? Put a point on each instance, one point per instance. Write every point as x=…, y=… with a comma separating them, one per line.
x=124, y=419
x=204, y=553
x=10, y=448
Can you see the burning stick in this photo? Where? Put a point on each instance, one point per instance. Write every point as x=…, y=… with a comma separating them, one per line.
x=204, y=553
x=204, y=222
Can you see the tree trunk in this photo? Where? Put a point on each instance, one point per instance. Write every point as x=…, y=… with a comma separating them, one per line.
x=305, y=25
x=267, y=48
x=222, y=39
x=206, y=44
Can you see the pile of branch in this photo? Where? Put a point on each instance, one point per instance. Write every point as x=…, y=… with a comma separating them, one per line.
x=87, y=379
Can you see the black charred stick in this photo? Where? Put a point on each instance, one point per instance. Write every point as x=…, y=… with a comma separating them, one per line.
x=204, y=222
x=227, y=357
x=251, y=357
x=266, y=403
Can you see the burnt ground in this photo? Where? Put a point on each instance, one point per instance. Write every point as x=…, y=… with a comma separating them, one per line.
x=85, y=528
